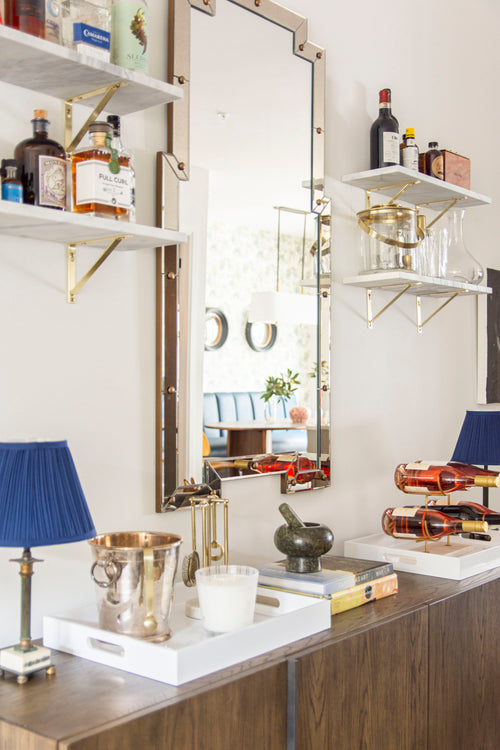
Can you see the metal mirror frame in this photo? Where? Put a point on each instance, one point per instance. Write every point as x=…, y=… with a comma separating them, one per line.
x=172, y=167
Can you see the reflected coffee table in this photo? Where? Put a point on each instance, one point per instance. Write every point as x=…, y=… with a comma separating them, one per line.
x=253, y=436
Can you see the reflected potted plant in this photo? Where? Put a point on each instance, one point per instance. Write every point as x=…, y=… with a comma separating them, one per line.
x=278, y=389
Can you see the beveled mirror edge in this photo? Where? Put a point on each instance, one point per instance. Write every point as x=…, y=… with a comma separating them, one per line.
x=173, y=167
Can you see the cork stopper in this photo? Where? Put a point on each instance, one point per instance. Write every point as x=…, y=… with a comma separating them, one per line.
x=486, y=481
x=40, y=114
x=479, y=526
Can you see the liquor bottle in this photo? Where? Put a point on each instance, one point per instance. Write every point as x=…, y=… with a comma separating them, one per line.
x=469, y=512
x=384, y=135
x=409, y=150
x=299, y=468
x=125, y=160
x=426, y=523
x=41, y=166
x=129, y=34
x=431, y=477
x=434, y=161
x=12, y=188
x=86, y=27
x=100, y=185
x=26, y=15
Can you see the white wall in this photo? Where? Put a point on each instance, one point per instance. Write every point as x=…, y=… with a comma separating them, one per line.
x=86, y=372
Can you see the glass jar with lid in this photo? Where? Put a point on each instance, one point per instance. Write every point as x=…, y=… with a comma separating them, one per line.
x=389, y=239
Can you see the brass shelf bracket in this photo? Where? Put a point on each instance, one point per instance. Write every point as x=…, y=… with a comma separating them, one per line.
x=74, y=287
x=421, y=323
x=451, y=203
x=370, y=317
x=107, y=92
x=402, y=185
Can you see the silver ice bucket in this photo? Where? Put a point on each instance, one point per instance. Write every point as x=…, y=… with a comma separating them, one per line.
x=134, y=572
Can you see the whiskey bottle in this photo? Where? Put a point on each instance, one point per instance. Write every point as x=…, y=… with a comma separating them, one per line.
x=100, y=186
x=41, y=166
x=427, y=477
x=12, y=188
x=125, y=159
x=426, y=523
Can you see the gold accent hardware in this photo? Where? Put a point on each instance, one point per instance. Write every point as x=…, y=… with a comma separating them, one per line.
x=302, y=47
x=171, y=275
x=370, y=318
x=181, y=79
x=319, y=130
x=257, y=3
x=181, y=166
x=72, y=287
x=171, y=389
x=447, y=208
x=319, y=55
x=107, y=92
x=325, y=388
x=421, y=323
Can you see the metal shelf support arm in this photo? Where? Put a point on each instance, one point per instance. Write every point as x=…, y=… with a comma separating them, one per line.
x=370, y=317
x=73, y=287
x=106, y=91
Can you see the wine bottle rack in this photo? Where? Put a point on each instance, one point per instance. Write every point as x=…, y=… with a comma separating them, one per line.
x=420, y=190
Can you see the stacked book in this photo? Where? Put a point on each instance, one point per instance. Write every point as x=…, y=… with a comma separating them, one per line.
x=346, y=581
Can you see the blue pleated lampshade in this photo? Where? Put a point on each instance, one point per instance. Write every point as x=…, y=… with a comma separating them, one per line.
x=41, y=499
x=479, y=439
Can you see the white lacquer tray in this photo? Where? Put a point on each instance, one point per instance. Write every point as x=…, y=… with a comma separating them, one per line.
x=191, y=652
x=459, y=559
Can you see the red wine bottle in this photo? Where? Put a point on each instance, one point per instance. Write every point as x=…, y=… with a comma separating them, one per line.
x=425, y=523
x=384, y=135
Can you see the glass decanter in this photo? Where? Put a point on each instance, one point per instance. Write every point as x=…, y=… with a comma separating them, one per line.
x=460, y=264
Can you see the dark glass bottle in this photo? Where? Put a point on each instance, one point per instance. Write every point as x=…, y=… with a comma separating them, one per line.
x=26, y=15
x=384, y=135
x=41, y=165
x=126, y=165
x=434, y=161
x=470, y=512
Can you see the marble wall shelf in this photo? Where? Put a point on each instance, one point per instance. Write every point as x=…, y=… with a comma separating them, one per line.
x=49, y=68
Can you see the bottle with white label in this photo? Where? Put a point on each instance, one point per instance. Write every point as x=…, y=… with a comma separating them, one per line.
x=86, y=27
x=384, y=135
x=41, y=166
x=129, y=34
x=409, y=150
x=101, y=185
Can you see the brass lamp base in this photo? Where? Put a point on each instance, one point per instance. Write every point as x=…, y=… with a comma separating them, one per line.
x=23, y=663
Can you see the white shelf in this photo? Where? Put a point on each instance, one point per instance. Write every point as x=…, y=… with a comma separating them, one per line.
x=49, y=68
x=421, y=285
x=50, y=225
x=325, y=282
x=428, y=188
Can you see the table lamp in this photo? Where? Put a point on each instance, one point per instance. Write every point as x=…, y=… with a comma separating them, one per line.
x=479, y=442
x=41, y=503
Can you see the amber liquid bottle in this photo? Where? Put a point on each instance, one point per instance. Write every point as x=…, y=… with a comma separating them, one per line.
x=98, y=187
x=301, y=469
x=424, y=477
x=434, y=161
x=426, y=523
x=26, y=15
x=41, y=164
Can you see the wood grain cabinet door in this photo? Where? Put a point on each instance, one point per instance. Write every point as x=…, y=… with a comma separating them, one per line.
x=464, y=671
x=367, y=692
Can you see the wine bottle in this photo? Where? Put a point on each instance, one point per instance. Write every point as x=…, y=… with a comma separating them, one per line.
x=384, y=135
x=41, y=165
x=426, y=523
x=469, y=512
x=409, y=150
x=299, y=468
x=431, y=477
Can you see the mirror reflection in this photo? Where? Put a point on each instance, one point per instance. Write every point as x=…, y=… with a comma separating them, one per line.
x=248, y=205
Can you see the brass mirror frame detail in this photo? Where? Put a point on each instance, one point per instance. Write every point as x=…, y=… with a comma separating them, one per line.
x=173, y=166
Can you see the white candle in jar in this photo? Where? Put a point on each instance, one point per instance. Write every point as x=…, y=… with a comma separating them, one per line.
x=227, y=596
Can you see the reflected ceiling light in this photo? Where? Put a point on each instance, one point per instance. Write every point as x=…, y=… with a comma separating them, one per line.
x=284, y=307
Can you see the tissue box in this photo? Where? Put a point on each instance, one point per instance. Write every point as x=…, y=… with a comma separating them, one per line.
x=456, y=169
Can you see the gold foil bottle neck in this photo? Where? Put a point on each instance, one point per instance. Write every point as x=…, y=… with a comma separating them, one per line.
x=242, y=464
x=485, y=481
x=480, y=526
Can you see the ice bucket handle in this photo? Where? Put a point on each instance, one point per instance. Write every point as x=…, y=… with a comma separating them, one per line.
x=111, y=569
x=388, y=240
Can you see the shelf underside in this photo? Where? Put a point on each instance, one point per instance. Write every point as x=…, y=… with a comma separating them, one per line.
x=49, y=68
x=420, y=285
x=50, y=225
x=428, y=189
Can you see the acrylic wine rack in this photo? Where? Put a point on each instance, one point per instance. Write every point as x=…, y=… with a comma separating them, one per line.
x=420, y=190
x=51, y=69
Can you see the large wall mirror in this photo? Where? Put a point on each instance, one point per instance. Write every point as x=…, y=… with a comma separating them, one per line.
x=252, y=301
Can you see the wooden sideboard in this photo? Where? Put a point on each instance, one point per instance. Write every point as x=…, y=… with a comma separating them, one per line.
x=416, y=671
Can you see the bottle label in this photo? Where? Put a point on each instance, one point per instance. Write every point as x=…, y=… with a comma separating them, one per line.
x=437, y=167
x=51, y=181
x=390, y=145
x=425, y=464
x=12, y=191
x=406, y=512
x=129, y=35
x=96, y=184
x=409, y=157
x=85, y=34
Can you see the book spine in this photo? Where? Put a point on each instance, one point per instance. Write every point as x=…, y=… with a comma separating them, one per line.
x=374, y=573
x=364, y=593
